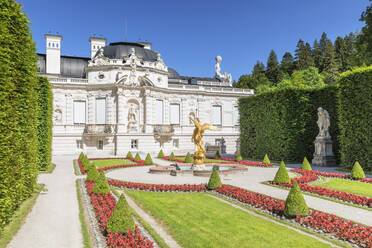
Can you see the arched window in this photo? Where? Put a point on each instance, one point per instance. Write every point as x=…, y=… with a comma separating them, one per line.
x=57, y=45
x=49, y=44
x=52, y=44
x=94, y=47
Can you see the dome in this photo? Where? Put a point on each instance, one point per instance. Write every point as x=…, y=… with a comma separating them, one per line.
x=118, y=50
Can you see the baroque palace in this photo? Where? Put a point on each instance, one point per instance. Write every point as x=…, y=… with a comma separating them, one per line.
x=124, y=97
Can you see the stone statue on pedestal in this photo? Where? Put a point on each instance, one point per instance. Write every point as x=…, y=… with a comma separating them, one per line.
x=132, y=122
x=225, y=77
x=323, y=155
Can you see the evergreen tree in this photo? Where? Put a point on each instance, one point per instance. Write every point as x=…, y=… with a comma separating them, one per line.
x=352, y=56
x=148, y=159
x=214, y=180
x=273, y=72
x=287, y=64
x=306, y=165
x=303, y=56
x=92, y=174
x=238, y=157
x=137, y=157
x=364, y=43
x=281, y=175
x=357, y=171
x=161, y=153
x=330, y=65
x=341, y=54
x=266, y=160
x=317, y=54
x=188, y=158
x=101, y=186
x=258, y=68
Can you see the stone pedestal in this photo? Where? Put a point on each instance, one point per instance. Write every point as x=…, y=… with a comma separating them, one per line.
x=323, y=155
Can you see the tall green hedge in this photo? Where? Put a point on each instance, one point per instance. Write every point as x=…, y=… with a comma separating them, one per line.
x=283, y=124
x=45, y=98
x=355, y=117
x=18, y=110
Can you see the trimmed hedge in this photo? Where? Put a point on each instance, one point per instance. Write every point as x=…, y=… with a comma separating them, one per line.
x=137, y=157
x=281, y=175
x=101, y=186
x=188, y=158
x=295, y=203
x=129, y=155
x=161, y=153
x=355, y=117
x=171, y=156
x=45, y=97
x=266, y=160
x=19, y=110
x=217, y=155
x=214, y=180
x=357, y=171
x=148, y=159
x=92, y=174
x=284, y=122
x=306, y=165
x=238, y=157
x=121, y=220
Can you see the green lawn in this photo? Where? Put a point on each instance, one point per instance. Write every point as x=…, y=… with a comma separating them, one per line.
x=348, y=186
x=207, y=160
x=198, y=220
x=110, y=162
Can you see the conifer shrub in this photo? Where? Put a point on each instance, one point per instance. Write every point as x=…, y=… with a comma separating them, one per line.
x=101, y=186
x=214, y=180
x=81, y=155
x=357, y=171
x=238, y=157
x=188, y=158
x=161, y=153
x=137, y=157
x=306, y=165
x=92, y=174
x=172, y=156
x=121, y=220
x=281, y=175
x=295, y=203
x=266, y=160
x=148, y=159
x=129, y=155
x=217, y=155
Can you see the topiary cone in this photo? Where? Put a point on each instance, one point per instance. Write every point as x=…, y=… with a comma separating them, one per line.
x=148, y=159
x=171, y=156
x=295, y=203
x=217, y=155
x=306, y=165
x=121, y=220
x=188, y=158
x=238, y=157
x=137, y=157
x=101, y=186
x=92, y=174
x=281, y=175
x=129, y=155
x=266, y=160
x=215, y=180
x=161, y=153
x=357, y=171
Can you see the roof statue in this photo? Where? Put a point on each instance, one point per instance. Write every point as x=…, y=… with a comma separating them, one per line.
x=225, y=77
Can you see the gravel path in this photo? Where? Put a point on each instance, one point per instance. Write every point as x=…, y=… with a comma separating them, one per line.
x=250, y=180
x=54, y=220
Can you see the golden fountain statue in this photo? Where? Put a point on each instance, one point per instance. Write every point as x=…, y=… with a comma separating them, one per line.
x=199, y=155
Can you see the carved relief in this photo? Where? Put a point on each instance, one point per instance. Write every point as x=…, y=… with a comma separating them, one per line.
x=57, y=116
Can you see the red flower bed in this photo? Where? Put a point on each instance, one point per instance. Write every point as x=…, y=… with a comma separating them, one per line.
x=103, y=205
x=159, y=187
x=328, y=223
x=137, y=163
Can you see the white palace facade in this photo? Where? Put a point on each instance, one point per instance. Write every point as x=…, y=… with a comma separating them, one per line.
x=125, y=98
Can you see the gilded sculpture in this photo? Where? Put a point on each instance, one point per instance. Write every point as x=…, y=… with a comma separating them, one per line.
x=197, y=138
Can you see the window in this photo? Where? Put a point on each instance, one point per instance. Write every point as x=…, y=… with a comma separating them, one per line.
x=134, y=144
x=176, y=143
x=53, y=45
x=100, y=144
x=79, y=144
x=174, y=117
x=216, y=115
x=100, y=111
x=217, y=142
x=57, y=45
x=79, y=112
x=159, y=112
x=94, y=47
x=49, y=44
x=236, y=116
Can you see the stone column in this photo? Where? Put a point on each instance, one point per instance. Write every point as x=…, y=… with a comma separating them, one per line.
x=91, y=106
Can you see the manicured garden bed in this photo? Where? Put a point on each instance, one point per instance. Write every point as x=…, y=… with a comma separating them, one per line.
x=355, y=187
x=102, y=163
x=197, y=220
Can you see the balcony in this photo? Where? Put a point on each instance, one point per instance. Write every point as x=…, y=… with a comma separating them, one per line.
x=99, y=129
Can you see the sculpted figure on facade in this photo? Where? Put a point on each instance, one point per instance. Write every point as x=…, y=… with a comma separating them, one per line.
x=132, y=118
x=57, y=116
x=225, y=77
x=100, y=58
x=323, y=123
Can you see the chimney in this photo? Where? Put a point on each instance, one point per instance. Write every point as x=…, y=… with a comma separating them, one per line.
x=53, y=53
x=96, y=44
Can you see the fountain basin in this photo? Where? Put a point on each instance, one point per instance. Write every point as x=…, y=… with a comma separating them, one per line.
x=185, y=169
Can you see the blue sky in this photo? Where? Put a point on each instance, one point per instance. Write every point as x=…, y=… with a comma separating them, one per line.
x=189, y=34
